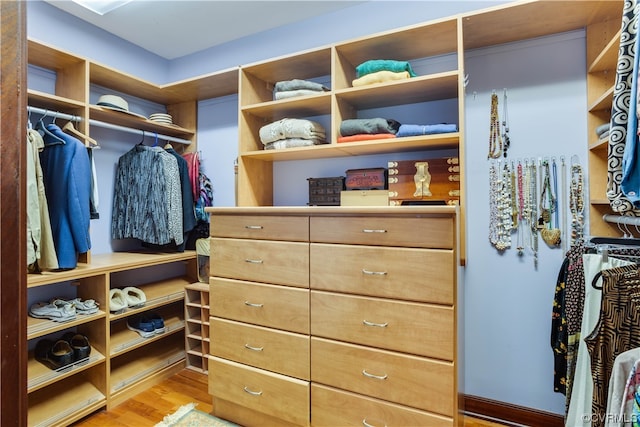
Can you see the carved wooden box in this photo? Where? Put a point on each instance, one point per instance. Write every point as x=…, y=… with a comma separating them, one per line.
x=430, y=179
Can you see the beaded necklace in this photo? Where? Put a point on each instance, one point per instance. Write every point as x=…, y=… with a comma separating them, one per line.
x=576, y=203
x=505, y=126
x=521, y=209
x=495, y=141
x=533, y=214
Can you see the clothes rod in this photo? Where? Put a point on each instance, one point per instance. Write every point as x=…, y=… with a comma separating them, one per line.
x=105, y=125
x=620, y=219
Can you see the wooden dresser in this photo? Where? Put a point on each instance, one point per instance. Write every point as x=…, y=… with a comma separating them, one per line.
x=332, y=316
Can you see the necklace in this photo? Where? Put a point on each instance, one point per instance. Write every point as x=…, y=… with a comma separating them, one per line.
x=495, y=142
x=548, y=206
x=521, y=207
x=576, y=203
x=533, y=214
x=500, y=219
x=505, y=133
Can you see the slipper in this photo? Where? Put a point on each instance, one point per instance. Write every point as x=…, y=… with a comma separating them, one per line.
x=55, y=312
x=117, y=300
x=134, y=297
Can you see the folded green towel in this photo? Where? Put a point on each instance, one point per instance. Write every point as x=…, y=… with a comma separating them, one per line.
x=375, y=65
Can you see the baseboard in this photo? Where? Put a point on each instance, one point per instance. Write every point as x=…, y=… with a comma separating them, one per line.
x=509, y=414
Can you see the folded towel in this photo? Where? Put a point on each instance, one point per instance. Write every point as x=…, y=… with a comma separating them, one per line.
x=417, y=130
x=293, y=142
x=375, y=65
x=296, y=84
x=376, y=125
x=293, y=93
x=365, y=137
x=380, y=77
x=291, y=128
x=602, y=128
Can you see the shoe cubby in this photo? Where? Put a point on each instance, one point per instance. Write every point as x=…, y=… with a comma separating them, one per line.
x=196, y=309
x=131, y=369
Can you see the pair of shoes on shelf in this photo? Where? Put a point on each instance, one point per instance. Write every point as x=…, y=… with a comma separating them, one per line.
x=147, y=325
x=129, y=297
x=88, y=306
x=57, y=310
x=57, y=354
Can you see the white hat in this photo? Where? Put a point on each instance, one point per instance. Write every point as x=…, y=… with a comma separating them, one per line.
x=116, y=103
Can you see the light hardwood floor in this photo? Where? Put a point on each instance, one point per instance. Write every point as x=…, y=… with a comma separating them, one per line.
x=150, y=406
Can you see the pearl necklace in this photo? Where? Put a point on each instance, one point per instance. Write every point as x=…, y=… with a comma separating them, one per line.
x=495, y=141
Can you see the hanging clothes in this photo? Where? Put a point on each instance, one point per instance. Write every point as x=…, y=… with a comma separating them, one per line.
x=617, y=330
x=41, y=251
x=67, y=182
x=581, y=397
x=621, y=112
x=624, y=380
x=147, y=200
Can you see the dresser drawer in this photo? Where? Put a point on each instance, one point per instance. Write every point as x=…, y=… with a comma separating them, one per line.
x=433, y=232
x=276, y=395
x=290, y=228
x=284, y=263
x=421, y=329
x=408, y=380
x=331, y=407
x=273, y=306
x=282, y=352
x=425, y=275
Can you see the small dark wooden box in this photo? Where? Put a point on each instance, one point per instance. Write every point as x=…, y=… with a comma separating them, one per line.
x=325, y=191
x=430, y=179
x=366, y=179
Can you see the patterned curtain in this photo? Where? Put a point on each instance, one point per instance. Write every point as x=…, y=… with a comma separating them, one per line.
x=622, y=127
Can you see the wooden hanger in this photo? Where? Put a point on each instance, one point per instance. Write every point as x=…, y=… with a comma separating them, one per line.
x=89, y=142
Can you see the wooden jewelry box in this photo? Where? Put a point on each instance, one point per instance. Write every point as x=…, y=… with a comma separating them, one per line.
x=430, y=179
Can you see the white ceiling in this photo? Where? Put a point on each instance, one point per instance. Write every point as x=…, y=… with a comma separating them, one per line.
x=174, y=28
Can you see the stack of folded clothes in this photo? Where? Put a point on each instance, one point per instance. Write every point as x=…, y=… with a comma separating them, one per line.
x=603, y=131
x=296, y=87
x=287, y=133
x=419, y=130
x=382, y=70
x=366, y=129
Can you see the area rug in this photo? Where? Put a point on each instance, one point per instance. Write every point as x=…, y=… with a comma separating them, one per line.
x=189, y=416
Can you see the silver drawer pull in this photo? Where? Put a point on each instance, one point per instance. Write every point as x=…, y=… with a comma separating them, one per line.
x=253, y=227
x=377, y=377
x=374, y=273
x=366, y=424
x=251, y=392
x=370, y=230
x=253, y=261
x=251, y=304
x=253, y=348
x=380, y=325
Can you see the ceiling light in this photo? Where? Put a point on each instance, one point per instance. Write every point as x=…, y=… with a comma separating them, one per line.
x=101, y=7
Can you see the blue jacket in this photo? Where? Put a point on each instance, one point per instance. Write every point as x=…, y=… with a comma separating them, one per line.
x=67, y=182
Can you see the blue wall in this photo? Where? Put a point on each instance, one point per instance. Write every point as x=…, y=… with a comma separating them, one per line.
x=507, y=355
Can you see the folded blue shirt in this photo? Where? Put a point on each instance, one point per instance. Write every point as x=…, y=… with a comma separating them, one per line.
x=417, y=130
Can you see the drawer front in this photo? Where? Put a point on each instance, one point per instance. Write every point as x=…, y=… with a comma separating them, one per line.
x=282, y=352
x=283, y=263
x=408, y=380
x=425, y=275
x=331, y=407
x=290, y=228
x=272, y=306
x=437, y=232
x=421, y=329
x=276, y=395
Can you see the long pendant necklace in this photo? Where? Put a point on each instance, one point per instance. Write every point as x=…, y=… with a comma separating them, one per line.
x=548, y=207
x=506, y=141
x=495, y=140
x=576, y=203
x=533, y=213
x=520, y=207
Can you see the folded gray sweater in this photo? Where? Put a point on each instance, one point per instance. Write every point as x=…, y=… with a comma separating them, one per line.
x=369, y=126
